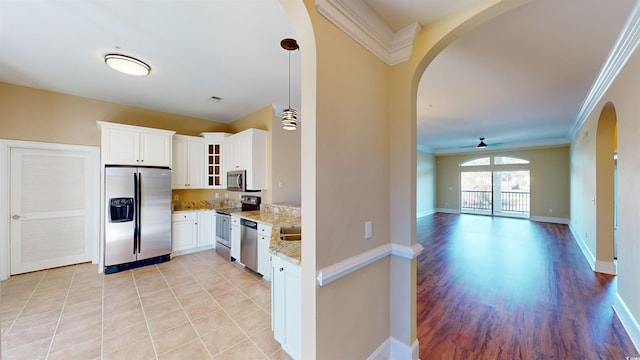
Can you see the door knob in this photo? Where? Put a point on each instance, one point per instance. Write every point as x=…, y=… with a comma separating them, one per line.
x=16, y=217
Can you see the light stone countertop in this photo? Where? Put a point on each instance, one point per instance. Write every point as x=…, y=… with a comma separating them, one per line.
x=289, y=250
x=198, y=205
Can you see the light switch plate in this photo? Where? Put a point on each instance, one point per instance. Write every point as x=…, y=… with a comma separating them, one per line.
x=368, y=229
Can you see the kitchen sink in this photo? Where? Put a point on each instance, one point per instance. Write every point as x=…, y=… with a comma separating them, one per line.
x=291, y=233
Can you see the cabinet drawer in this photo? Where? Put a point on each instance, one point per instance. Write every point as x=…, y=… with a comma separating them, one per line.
x=235, y=220
x=184, y=216
x=264, y=230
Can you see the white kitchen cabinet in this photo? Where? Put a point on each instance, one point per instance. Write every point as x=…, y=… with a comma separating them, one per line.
x=235, y=238
x=214, y=166
x=184, y=230
x=247, y=150
x=264, y=256
x=206, y=229
x=193, y=231
x=286, y=302
x=188, y=162
x=135, y=145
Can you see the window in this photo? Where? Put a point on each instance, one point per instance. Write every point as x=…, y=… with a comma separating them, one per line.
x=505, y=160
x=478, y=162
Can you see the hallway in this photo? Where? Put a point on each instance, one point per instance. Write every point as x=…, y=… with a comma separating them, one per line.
x=501, y=288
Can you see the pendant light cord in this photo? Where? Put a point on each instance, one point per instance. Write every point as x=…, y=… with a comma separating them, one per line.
x=289, y=79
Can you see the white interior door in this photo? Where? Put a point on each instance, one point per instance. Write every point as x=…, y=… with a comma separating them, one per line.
x=53, y=208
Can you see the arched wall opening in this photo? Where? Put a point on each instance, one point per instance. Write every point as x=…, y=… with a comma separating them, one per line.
x=403, y=90
x=605, y=190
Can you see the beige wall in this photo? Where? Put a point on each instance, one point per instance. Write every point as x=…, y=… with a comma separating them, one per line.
x=39, y=115
x=623, y=95
x=425, y=184
x=286, y=164
x=352, y=186
x=550, y=178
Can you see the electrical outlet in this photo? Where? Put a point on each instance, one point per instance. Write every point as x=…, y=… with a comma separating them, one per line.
x=368, y=229
x=217, y=195
x=176, y=197
x=550, y=210
x=226, y=195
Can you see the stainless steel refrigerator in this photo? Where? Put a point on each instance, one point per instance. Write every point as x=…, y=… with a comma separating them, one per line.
x=138, y=217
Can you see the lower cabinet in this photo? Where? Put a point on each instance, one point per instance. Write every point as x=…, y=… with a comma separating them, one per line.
x=192, y=231
x=184, y=230
x=264, y=256
x=235, y=238
x=206, y=229
x=286, y=309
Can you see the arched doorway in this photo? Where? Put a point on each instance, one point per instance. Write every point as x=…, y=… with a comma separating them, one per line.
x=605, y=190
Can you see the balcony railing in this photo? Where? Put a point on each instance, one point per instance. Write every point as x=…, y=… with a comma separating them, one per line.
x=511, y=201
x=476, y=200
x=515, y=201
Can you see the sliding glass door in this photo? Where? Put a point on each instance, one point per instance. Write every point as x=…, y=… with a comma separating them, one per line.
x=476, y=195
x=504, y=193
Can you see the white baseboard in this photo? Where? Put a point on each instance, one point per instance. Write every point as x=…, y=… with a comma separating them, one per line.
x=425, y=213
x=553, y=220
x=606, y=267
x=448, y=211
x=584, y=248
x=191, y=251
x=392, y=349
x=628, y=321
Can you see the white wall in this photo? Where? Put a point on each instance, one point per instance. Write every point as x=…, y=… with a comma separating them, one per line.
x=425, y=184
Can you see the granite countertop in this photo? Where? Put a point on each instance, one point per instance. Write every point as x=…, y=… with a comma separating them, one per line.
x=199, y=205
x=289, y=250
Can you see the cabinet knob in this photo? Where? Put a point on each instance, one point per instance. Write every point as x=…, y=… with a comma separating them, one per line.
x=281, y=269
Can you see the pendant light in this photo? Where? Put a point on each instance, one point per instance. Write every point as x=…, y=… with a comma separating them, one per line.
x=482, y=145
x=289, y=115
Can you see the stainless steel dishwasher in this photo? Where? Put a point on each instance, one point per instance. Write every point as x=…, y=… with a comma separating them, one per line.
x=249, y=244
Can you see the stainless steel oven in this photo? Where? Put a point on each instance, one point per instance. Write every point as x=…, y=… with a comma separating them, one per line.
x=223, y=224
x=223, y=235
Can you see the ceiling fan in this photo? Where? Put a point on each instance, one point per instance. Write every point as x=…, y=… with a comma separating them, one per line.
x=481, y=145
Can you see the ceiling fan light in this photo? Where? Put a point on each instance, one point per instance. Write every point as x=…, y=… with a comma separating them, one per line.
x=482, y=145
x=127, y=64
x=289, y=119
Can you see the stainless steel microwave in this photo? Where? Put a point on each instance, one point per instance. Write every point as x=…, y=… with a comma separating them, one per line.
x=236, y=180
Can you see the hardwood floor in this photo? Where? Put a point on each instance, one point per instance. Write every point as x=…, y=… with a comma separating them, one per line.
x=501, y=288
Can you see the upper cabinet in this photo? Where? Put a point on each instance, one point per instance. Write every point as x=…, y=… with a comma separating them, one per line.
x=247, y=150
x=135, y=145
x=214, y=170
x=188, y=162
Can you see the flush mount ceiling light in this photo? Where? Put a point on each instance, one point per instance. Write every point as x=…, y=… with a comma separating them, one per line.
x=127, y=64
x=482, y=145
x=289, y=115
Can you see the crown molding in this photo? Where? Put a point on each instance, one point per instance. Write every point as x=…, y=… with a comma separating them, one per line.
x=364, y=26
x=625, y=45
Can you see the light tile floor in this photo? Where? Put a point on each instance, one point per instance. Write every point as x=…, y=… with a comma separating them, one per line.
x=195, y=306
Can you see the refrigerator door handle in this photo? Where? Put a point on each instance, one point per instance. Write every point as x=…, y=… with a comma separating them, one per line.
x=136, y=215
x=139, y=196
